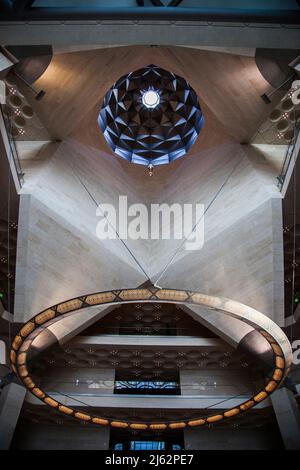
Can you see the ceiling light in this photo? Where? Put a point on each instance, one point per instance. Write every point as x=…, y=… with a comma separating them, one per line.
x=157, y=120
x=151, y=99
x=150, y=169
x=275, y=337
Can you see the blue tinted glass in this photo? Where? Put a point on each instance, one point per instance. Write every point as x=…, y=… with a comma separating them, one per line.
x=176, y=447
x=147, y=445
x=118, y=446
x=138, y=384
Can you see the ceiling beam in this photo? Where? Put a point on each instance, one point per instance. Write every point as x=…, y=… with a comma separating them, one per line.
x=172, y=13
x=250, y=35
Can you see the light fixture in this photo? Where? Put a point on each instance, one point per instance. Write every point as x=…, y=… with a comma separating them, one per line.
x=272, y=333
x=150, y=116
x=150, y=99
x=150, y=169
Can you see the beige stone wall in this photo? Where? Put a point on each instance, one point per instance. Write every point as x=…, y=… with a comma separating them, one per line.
x=60, y=256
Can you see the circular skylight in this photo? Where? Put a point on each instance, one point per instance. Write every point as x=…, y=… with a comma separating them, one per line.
x=150, y=99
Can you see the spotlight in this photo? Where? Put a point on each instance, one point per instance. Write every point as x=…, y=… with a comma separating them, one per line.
x=12, y=91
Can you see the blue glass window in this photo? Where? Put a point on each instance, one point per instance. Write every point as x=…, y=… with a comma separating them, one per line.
x=138, y=384
x=118, y=446
x=176, y=447
x=147, y=445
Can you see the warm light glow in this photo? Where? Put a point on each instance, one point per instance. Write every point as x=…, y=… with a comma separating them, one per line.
x=150, y=99
x=35, y=326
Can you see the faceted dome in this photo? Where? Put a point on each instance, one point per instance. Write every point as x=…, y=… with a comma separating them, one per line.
x=151, y=116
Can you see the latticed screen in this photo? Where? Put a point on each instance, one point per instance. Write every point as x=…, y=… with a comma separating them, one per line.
x=147, y=445
x=138, y=384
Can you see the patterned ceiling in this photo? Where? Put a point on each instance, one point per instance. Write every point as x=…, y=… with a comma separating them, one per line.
x=156, y=135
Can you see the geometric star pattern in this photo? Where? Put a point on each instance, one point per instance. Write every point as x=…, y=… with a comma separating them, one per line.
x=151, y=135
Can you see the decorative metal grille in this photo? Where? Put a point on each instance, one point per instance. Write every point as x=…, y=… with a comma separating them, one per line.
x=150, y=385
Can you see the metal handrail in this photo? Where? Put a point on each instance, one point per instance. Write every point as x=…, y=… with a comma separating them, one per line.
x=12, y=145
x=117, y=396
x=147, y=331
x=288, y=155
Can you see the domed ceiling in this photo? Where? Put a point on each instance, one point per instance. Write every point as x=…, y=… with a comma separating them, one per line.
x=151, y=116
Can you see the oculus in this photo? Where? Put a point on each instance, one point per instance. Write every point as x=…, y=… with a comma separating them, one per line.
x=151, y=116
x=22, y=347
x=150, y=99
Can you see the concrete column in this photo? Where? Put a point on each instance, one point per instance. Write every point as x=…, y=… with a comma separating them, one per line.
x=288, y=417
x=11, y=401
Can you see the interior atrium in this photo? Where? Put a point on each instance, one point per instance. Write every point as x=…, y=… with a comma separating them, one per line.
x=149, y=225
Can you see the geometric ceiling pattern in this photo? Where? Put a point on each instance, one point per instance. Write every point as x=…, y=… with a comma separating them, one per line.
x=155, y=134
x=146, y=363
x=42, y=415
